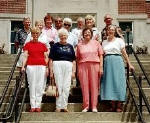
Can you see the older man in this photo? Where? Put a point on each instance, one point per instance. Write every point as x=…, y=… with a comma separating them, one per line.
x=22, y=36
x=80, y=25
x=58, y=23
x=108, y=21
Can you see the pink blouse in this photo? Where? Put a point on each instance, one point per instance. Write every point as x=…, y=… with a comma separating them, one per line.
x=89, y=52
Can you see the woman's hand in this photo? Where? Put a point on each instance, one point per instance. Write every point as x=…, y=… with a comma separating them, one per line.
x=47, y=72
x=73, y=75
x=131, y=68
x=23, y=69
x=51, y=74
x=100, y=71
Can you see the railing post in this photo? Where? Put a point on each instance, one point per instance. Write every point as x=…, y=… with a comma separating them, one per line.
x=140, y=95
x=16, y=106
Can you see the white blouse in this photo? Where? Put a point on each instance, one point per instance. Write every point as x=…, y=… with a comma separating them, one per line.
x=113, y=47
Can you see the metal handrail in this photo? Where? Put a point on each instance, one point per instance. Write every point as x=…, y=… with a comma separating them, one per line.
x=134, y=100
x=142, y=92
x=141, y=66
x=23, y=100
x=10, y=78
x=14, y=98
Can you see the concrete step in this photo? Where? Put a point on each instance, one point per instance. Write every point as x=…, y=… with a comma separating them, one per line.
x=103, y=106
x=6, y=69
x=82, y=117
x=3, y=83
x=5, y=74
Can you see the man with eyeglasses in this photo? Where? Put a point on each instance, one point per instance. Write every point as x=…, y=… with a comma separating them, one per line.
x=58, y=23
x=108, y=21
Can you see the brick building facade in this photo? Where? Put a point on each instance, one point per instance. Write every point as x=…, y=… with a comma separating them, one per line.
x=136, y=13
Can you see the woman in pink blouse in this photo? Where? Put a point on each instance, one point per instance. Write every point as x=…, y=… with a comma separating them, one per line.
x=90, y=69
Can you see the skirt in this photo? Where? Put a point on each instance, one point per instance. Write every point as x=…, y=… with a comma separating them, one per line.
x=113, y=83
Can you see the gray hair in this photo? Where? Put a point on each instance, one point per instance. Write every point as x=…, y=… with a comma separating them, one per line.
x=68, y=20
x=63, y=31
x=81, y=19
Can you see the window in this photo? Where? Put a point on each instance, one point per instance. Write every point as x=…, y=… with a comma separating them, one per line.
x=15, y=25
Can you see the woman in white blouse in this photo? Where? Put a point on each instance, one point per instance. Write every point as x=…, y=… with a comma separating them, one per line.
x=113, y=84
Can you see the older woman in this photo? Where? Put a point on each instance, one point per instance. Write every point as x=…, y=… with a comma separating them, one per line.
x=113, y=85
x=35, y=58
x=90, y=69
x=72, y=38
x=62, y=64
x=90, y=23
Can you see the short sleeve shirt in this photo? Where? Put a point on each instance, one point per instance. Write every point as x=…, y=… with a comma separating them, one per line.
x=21, y=36
x=113, y=47
x=36, y=53
x=89, y=52
x=60, y=52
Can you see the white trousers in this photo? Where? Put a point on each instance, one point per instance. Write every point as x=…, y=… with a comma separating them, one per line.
x=36, y=75
x=62, y=73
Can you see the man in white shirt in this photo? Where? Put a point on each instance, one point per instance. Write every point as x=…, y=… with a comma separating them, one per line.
x=80, y=25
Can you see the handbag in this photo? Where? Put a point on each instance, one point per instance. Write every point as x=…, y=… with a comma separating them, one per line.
x=52, y=89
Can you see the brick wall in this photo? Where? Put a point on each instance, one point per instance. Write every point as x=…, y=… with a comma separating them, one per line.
x=148, y=9
x=13, y=6
x=131, y=6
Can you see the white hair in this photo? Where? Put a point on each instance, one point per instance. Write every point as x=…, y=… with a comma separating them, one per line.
x=81, y=19
x=63, y=31
x=90, y=17
x=68, y=20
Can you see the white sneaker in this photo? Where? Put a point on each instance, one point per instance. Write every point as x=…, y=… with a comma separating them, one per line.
x=94, y=110
x=85, y=110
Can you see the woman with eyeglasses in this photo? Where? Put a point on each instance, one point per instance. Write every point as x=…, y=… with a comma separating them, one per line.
x=113, y=84
x=89, y=55
x=35, y=62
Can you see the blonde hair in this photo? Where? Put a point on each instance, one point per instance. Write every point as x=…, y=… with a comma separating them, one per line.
x=35, y=30
x=90, y=17
x=39, y=21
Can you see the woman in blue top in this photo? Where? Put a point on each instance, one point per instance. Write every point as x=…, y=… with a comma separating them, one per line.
x=62, y=65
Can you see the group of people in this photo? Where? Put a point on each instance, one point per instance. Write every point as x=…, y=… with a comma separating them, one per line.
x=52, y=49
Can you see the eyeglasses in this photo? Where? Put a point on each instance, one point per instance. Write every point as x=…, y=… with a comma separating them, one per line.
x=67, y=24
x=58, y=21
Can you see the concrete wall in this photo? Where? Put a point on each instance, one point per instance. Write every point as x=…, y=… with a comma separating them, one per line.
x=5, y=34
x=37, y=9
x=100, y=7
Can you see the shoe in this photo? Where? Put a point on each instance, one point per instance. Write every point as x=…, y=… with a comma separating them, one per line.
x=32, y=110
x=66, y=110
x=85, y=110
x=94, y=110
x=58, y=110
x=119, y=106
x=38, y=109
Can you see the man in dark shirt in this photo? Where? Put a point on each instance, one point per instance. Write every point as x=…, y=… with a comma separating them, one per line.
x=108, y=21
x=22, y=37
x=22, y=34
